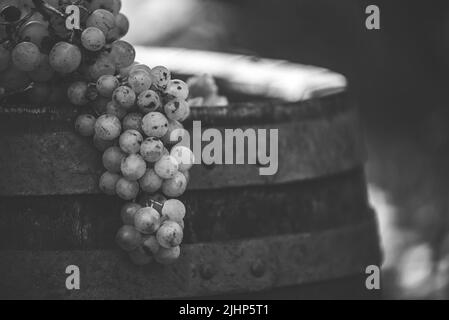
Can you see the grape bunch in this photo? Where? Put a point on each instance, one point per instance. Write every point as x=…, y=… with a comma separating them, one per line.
x=131, y=111
x=137, y=133
x=41, y=57
x=152, y=233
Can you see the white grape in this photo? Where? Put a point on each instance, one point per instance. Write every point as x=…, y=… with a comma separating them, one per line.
x=133, y=167
x=106, y=85
x=178, y=89
x=148, y=101
x=122, y=53
x=93, y=39
x=65, y=57
x=26, y=56
x=150, y=182
x=124, y=97
x=166, y=167
x=155, y=124
x=108, y=181
x=130, y=141
x=175, y=186
x=107, y=127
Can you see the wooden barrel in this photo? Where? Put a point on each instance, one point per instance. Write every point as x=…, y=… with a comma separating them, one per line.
x=305, y=232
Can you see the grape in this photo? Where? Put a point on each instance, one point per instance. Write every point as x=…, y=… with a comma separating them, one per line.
x=65, y=57
x=124, y=97
x=167, y=256
x=122, y=53
x=152, y=149
x=93, y=39
x=124, y=72
x=26, y=56
x=39, y=92
x=128, y=238
x=101, y=144
x=108, y=181
x=126, y=189
x=5, y=58
x=107, y=127
x=14, y=79
x=161, y=77
x=133, y=121
x=128, y=212
x=155, y=124
x=113, y=109
x=175, y=133
x=139, y=81
x=174, y=210
x=169, y=235
x=130, y=141
x=166, y=167
x=178, y=89
x=150, y=182
x=106, y=85
x=147, y=220
x=140, y=67
x=139, y=257
x=35, y=32
x=184, y=156
x=101, y=19
x=120, y=29
x=112, y=159
x=148, y=101
x=175, y=186
x=77, y=93
x=133, y=167
x=43, y=72
x=112, y=6
x=150, y=244
x=177, y=109
x=102, y=66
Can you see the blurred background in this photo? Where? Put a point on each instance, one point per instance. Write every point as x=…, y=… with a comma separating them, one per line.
x=398, y=77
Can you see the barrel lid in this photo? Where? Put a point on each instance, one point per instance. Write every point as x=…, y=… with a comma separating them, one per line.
x=253, y=75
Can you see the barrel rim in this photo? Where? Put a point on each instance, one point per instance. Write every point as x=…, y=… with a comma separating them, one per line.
x=238, y=113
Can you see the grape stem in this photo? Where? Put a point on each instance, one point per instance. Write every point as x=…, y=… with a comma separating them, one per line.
x=5, y=94
x=45, y=9
x=155, y=202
